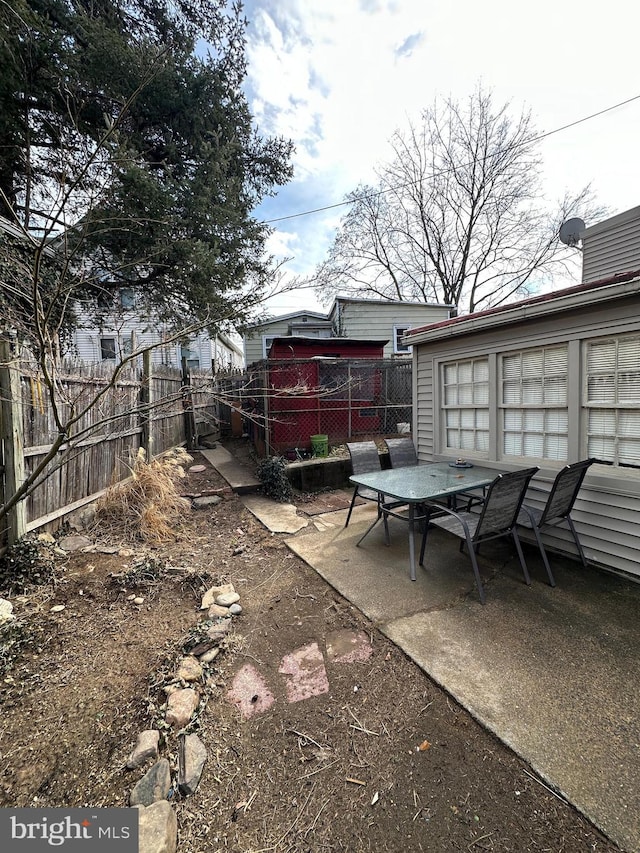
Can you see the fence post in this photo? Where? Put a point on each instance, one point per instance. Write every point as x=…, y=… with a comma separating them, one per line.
x=14, y=473
x=146, y=399
x=187, y=405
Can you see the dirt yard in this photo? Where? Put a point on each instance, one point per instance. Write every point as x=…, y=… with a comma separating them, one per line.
x=383, y=760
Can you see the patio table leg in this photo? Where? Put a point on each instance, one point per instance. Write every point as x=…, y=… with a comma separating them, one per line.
x=412, y=543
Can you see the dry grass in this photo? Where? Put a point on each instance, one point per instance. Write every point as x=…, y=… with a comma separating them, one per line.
x=146, y=506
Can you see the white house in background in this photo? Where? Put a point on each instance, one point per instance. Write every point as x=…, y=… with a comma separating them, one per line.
x=123, y=330
x=226, y=354
x=359, y=319
x=547, y=381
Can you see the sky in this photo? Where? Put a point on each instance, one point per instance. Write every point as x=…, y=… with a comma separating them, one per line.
x=338, y=77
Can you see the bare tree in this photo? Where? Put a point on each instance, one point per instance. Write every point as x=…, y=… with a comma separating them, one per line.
x=458, y=216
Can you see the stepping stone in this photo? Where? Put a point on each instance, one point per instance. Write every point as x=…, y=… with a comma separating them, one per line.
x=308, y=676
x=348, y=646
x=249, y=692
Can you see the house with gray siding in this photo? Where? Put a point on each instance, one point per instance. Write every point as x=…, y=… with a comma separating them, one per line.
x=359, y=319
x=546, y=381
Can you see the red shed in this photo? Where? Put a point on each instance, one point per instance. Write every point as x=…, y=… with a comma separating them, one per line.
x=322, y=386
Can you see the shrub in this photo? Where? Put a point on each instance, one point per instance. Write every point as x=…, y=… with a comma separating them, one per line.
x=273, y=476
x=27, y=563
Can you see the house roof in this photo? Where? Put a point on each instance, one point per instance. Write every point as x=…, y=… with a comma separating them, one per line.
x=603, y=290
x=341, y=300
x=400, y=302
x=314, y=315
x=300, y=340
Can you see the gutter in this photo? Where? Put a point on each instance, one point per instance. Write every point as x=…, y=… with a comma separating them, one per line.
x=522, y=312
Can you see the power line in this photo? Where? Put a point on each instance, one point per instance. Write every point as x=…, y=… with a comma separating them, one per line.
x=531, y=141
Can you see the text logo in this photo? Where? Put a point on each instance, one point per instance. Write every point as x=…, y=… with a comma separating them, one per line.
x=36, y=830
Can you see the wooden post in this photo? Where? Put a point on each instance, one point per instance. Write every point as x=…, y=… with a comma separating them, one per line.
x=187, y=405
x=14, y=472
x=146, y=399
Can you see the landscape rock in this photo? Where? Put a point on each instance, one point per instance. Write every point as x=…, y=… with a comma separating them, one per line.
x=74, y=543
x=215, y=612
x=192, y=755
x=206, y=501
x=196, y=469
x=180, y=707
x=211, y=655
x=219, y=630
x=6, y=611
x=235, y=609
x=208, y=442
x=154, y=785
x=213, y=592
x=82, y=518
x=226, y=599
x=158, y=828
x=190, y=669
x=146, y=748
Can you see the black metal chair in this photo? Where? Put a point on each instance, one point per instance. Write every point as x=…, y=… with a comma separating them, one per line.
x=497, y=518
x=364, y=459
x=402, y=452
x=557, y=509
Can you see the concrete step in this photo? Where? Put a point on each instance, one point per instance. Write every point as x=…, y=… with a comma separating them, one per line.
x=241, y=480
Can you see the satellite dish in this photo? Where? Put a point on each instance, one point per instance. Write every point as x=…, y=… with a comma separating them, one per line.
x=571, y=231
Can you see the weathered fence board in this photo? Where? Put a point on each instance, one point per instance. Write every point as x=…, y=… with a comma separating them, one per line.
x=107, y=417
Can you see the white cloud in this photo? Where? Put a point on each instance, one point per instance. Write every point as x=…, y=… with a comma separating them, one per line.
x=339, y=76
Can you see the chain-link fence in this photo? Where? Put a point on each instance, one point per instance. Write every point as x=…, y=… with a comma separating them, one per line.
x=284, y=402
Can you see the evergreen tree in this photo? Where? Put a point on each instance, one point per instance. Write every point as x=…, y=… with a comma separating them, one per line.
x=126, y=139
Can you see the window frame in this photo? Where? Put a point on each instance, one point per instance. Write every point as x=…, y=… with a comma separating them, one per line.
x=109, y=348
x=399, y=330
x=532, y=407
x=265, y=348
x=444, y=407
x=615, y=408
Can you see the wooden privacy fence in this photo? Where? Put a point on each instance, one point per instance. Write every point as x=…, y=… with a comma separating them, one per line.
x=150, y=406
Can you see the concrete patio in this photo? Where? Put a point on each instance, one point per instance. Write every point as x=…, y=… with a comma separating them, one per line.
x=553, y=672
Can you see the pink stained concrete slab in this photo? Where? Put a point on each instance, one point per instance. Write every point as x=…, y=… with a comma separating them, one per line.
x=249, y=692
x=348, y=646
x=306, y=671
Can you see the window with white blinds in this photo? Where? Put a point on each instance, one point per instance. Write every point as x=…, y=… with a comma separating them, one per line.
x=533, y=402
x=465, y=404
x=612, y=399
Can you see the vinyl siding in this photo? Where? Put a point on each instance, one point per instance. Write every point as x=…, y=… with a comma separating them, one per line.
x=86, y=343
x=282, y=327
x=253, y=345
x=378, y=320
x=612, y=246
x=359, y=319
x=607, y=513
x=423, y=408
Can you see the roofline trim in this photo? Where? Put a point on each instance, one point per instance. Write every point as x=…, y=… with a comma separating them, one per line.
x=530, y=309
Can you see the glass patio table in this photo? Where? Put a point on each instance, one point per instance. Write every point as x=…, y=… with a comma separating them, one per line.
x=419, y=484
